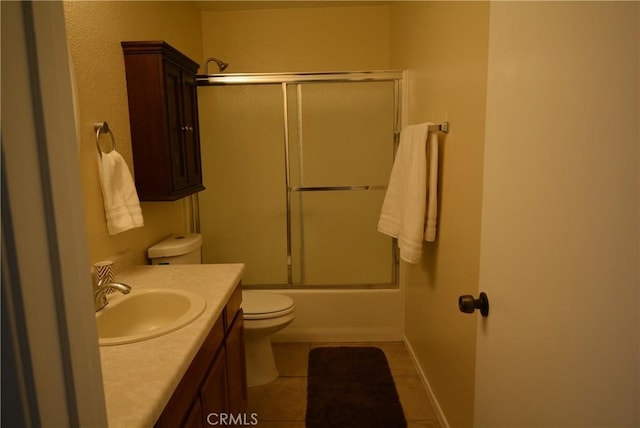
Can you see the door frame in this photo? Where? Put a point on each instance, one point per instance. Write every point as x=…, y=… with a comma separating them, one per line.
x=48, y=330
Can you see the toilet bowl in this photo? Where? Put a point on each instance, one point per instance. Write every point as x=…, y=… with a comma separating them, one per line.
x=264, y=315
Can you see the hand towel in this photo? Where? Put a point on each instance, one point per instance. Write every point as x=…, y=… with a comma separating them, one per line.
x=121, y=203
x=405, y=203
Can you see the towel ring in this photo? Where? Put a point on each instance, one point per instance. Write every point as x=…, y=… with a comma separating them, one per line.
x=103, y=128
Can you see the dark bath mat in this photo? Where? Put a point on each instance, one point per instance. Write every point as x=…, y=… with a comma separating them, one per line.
x=351, y=387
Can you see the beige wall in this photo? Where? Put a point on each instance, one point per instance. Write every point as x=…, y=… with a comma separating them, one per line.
x=298, y=39
x=94, y=32
x=444, y=47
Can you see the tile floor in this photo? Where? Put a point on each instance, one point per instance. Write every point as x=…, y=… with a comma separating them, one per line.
x=282, y=403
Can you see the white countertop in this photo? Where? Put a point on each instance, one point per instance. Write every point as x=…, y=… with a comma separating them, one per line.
x=140, y=377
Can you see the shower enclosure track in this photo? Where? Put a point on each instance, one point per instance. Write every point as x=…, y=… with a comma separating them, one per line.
x=307, y=77
x=285, y=79
x=334, y=188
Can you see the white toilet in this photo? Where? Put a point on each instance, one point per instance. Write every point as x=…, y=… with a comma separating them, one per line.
x=265, y=313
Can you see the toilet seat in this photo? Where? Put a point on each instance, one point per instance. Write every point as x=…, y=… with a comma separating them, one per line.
x=258, y=305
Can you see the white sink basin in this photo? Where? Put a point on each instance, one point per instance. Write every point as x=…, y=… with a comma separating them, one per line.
x=147, y=313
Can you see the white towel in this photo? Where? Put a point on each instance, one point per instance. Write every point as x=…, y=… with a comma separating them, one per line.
x=404, y=206
x=432, y=202
x=121, y=203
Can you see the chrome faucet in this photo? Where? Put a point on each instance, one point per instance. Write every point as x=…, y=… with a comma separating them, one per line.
x=100, y=293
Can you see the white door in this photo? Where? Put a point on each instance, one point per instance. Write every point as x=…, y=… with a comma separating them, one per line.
x=560, y=227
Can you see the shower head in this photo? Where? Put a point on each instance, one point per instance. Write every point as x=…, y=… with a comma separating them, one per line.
x=221, y=65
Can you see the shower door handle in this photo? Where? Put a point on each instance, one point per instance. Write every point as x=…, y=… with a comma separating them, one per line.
x=468, y=304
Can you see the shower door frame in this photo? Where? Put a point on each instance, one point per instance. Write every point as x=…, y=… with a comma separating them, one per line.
x=285, y=80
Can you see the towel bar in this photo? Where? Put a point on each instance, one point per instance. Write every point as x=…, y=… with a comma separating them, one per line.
x=442, y=127
x=103, y=128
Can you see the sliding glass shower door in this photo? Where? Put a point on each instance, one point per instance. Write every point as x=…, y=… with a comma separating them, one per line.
x=340, y=157
x=295, y=176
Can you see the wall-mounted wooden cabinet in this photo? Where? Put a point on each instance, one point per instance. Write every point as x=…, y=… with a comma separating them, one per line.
x=163, y=111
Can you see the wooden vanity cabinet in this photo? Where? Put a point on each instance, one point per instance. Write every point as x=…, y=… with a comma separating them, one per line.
x=194, y=417
x=236, y=363
x=215, y=382
x=163, y=113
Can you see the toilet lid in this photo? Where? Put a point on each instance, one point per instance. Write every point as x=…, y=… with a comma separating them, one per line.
x=257, y=304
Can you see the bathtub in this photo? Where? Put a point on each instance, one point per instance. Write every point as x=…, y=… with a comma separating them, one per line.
x=349, y=315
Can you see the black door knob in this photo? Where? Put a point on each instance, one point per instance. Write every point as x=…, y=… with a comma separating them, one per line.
x=468, y=304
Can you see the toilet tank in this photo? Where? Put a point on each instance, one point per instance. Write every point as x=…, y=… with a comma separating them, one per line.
x=177, y=249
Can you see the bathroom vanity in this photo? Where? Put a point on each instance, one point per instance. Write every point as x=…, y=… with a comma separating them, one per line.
x=215, y=382
x=179, y=378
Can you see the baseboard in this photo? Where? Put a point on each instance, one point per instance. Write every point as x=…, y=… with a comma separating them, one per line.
x=337, y=335
x=432, y=398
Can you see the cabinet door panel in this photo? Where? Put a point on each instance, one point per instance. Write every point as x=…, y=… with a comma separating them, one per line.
x=213, y=392
x=195, y=418
x=189, y=387
x=191, y=133
x=236, y=366
x=173, y=85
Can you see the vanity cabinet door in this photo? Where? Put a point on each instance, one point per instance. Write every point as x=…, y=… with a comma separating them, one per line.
x=180, y=405
x=236, y=366
x=163, y=113
x=216, y=381
x=194, y=417
x=213, y=392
